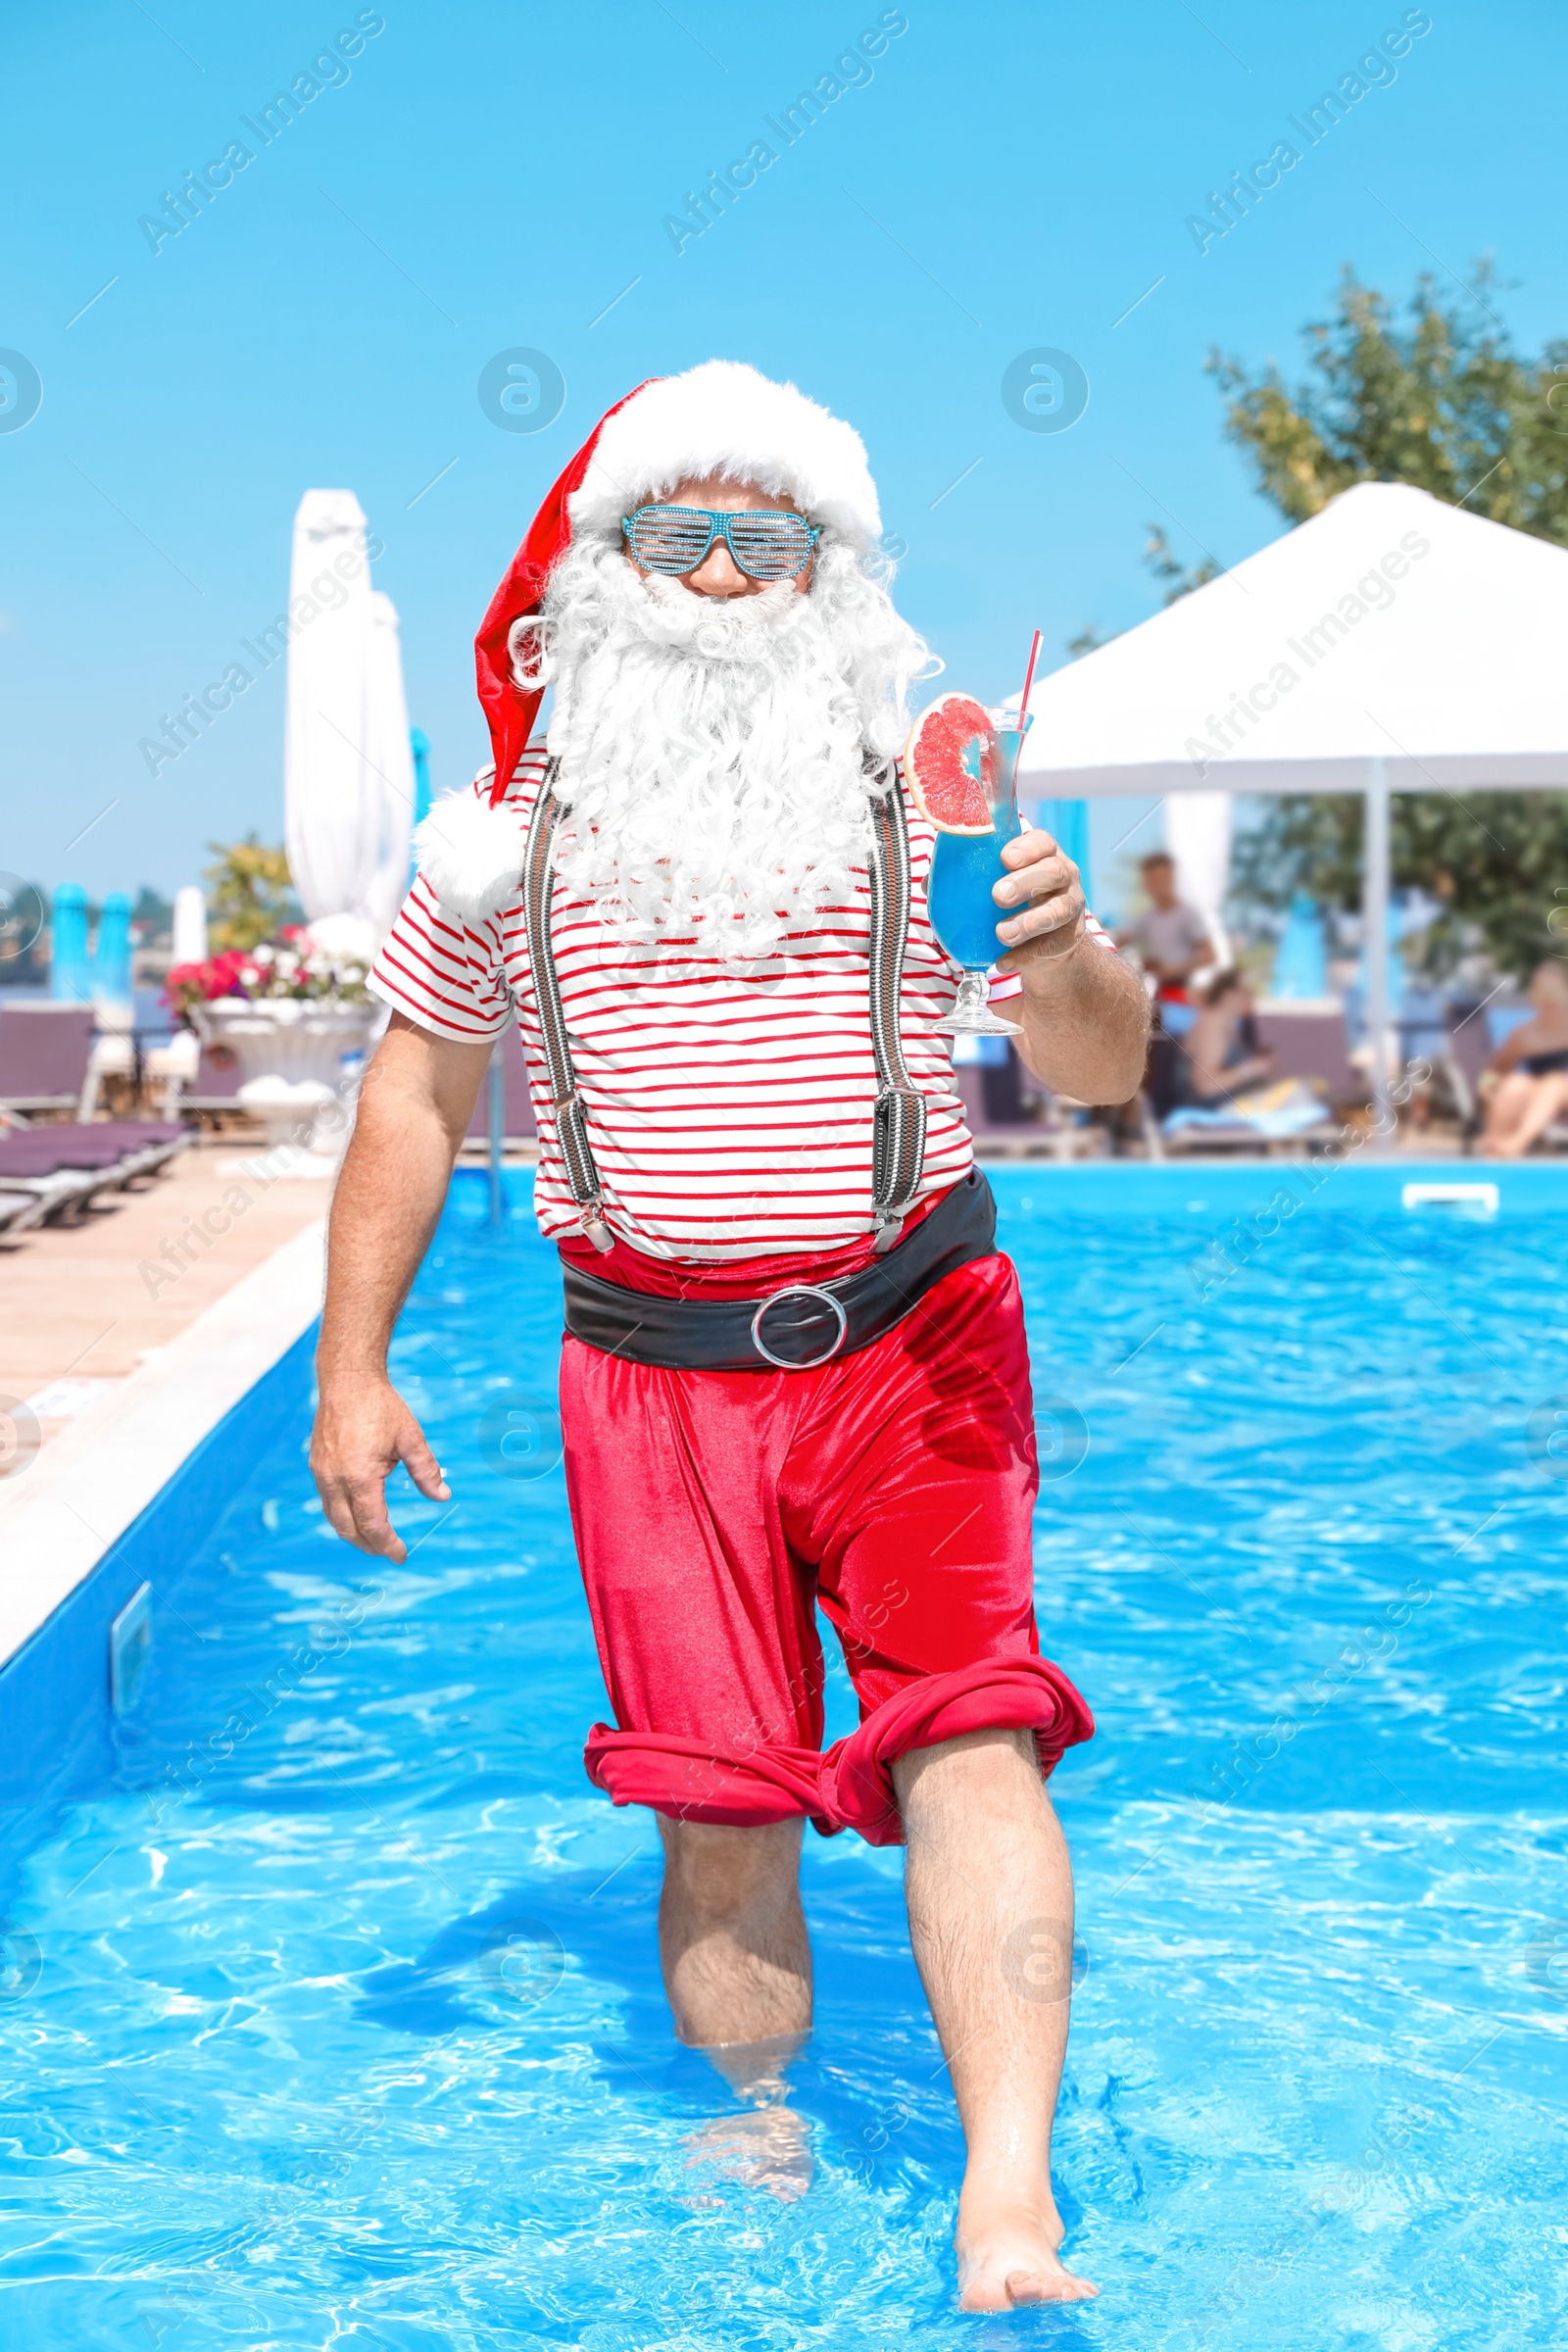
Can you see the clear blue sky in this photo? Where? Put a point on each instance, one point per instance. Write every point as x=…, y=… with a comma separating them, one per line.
x=493, y=175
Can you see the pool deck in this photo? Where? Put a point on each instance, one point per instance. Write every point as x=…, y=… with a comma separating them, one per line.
x=93, y=1302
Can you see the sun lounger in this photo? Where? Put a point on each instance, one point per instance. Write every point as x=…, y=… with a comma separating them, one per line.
x=1287, y=1115
x=45, y=1058
x=1312, y=1083
x=1313, y=1045
x=1469, y=1052
x=1054, y=1133
x=41, y=1195
x=48, y=1169
x=214, y=1088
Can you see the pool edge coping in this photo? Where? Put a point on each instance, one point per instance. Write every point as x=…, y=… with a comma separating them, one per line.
x=118, y=1458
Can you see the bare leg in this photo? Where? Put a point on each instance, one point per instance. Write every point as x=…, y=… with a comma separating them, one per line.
x=731, y=1932
x=1534, y=1115
x=738, y=1973
x=990, y=1895
x=1507, y=1109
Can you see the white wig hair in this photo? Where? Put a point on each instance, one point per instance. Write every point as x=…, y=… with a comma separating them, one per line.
x=715, y=757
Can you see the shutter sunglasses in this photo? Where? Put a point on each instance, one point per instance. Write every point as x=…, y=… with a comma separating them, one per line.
x=770, y=546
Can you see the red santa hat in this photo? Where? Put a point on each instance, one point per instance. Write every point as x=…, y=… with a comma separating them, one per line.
x=722, y=418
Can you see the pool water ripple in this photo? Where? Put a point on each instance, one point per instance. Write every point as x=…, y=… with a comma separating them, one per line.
x=346, y=2028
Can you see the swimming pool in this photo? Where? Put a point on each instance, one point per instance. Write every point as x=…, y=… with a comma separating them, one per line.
x=334, y=2016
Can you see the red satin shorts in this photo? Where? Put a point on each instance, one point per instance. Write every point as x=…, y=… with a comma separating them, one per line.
x=714, y=1511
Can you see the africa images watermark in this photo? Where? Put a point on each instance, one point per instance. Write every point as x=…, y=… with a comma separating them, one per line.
x=1373, y=593
x=851, y=70
x=327, y=593
x=1374, y=69
x=328, y=70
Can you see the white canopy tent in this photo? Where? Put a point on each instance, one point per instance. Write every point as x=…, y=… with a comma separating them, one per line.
x=348, y=770
x=1391, y=644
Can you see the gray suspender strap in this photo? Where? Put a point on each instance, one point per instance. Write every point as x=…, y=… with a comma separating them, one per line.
x=897, y=1144
x=571, y=1124
x=897, y=1135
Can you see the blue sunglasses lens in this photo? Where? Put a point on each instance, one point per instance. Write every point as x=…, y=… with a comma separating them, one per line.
x=675, y=539
x=672, y=539
x=769, y=547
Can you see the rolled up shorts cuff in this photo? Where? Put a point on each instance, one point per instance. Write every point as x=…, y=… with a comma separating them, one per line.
x=678, y=1775
x=1026, y=1694
x=851, y=1788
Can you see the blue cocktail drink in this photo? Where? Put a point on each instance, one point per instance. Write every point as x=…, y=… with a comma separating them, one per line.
x=965, y=867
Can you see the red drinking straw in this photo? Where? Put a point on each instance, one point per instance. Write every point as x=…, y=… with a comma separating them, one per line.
x=1023, y=719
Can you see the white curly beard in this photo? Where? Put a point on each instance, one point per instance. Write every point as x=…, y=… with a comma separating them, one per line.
x=711, y=755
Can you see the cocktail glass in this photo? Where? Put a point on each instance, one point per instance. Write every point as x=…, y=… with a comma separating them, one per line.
x=964, y=868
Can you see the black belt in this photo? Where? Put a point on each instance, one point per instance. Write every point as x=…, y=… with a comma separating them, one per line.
x=799, y=1327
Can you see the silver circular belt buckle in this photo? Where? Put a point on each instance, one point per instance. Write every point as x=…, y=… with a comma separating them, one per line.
x=798, y=1290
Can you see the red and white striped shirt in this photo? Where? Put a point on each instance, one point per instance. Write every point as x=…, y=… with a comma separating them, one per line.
x=729, y=1104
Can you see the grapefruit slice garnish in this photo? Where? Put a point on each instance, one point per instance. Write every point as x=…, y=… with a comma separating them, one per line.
x=948, y=764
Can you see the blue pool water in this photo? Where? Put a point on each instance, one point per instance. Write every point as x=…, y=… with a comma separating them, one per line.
x=358, y=2041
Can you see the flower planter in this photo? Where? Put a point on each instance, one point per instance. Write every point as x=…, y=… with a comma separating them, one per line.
x=301, y=1059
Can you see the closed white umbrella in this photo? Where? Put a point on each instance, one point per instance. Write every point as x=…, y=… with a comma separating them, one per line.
x=390, y=755
x=348, y=782
x=189, y=941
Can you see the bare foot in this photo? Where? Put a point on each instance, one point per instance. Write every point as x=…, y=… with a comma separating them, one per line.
x=1007, y=2257
x=769, y=2148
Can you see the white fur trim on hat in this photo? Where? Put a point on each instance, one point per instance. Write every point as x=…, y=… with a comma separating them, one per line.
x=470, y=854
x=725, y=419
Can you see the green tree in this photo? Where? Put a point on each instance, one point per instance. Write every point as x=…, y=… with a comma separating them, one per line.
x=1441, y=401
x=1497, y=863
x=1180, y=579
x=248, y=893
x=154, y=913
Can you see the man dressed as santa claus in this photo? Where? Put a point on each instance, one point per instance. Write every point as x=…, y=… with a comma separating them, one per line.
x=794, y=1372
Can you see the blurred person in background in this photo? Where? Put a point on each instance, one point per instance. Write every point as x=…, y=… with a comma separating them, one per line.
x=1526, y=1081
x=1172, y=939
x=1222, y=1049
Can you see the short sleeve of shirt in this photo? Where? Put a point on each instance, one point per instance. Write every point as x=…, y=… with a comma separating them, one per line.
x=443, y=972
